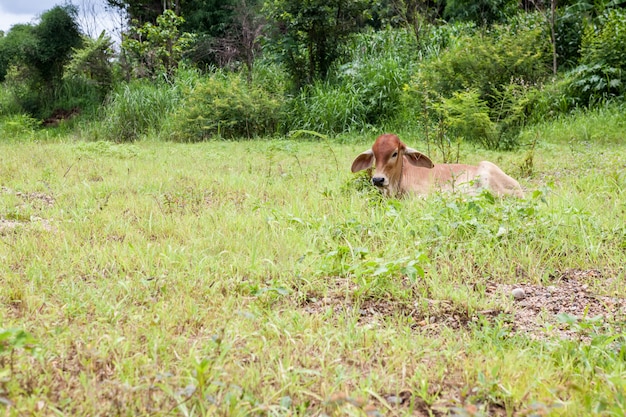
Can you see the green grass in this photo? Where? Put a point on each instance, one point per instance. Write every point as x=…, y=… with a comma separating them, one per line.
x=263, y=278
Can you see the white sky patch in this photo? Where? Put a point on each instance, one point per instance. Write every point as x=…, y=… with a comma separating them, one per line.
x=93, y=17
x=7, y=20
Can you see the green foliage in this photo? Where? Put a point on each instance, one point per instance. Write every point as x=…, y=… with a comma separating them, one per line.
x=602, y=73
x=25, y=90
x=141, y=10
x=327, y=109
x=13, y=46
x=225, y=105
x=569, y=29
x=482, y=12
x=487, y=74
x=512, y=111
x=599, y=350
x=589, y=85
x=607, y=45
x=34, y=58
x=379, y=66
x=364, y=91
x=207, y=17
x=17, y=126
x=155, y=50
x=308, y=34
x=466, y=116
x=135, y=109
x=57, y=34
x=92, y=64
x=489, y=60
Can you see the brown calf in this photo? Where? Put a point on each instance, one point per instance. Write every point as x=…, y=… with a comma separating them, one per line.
x=400, y=169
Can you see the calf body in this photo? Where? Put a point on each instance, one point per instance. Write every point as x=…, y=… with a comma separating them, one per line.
x=400, y=169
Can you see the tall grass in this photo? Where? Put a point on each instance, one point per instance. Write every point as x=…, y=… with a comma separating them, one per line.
x=133, y=110
x=139, y=108
x=602, y=125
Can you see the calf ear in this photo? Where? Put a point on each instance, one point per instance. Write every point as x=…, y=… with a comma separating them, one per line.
x=418, y=159
x=363, y=161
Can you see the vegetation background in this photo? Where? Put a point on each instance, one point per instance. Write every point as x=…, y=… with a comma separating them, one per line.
x=179, y=232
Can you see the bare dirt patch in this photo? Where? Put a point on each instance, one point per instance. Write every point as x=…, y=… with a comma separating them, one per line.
x=427, y=314
x=536, y=312
x=37, y=200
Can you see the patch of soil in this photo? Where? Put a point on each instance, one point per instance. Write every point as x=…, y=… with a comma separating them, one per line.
x=535, y=313
x=374, y=311
x=6, y=225
x=41, y=199
x=59, y=115
x=38, y=200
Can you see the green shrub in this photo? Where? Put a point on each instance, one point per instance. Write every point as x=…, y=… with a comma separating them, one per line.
x=24, y=87
x=488, y=74
x=489, y=60
x=365, y=90
x=466, y=116
x=482, y=12
x=437, y=39
x=602, y=73
x=607, y=45
x=327, y=109
x=227, y=106
x=18, y=126
x=92, y=65
x=569, y=29
x=135, y=109
x=589, y=85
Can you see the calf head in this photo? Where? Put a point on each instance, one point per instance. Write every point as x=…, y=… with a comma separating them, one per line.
x=390, y=154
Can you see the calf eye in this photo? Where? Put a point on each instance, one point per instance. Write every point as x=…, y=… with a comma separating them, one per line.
x=394, y=154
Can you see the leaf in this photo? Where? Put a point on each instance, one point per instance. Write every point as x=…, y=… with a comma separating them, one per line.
x=286, y=402
x=567, y=318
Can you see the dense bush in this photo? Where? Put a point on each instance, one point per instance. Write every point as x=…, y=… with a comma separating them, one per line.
x=487, y=73
x=18, y=126
x=484, y=12
x=602, y=73
x=569, y=29
x=226, y=105
x=489, y=60
x=363, y=91
x=135, y=109
x=465, y=115
x=327, y=109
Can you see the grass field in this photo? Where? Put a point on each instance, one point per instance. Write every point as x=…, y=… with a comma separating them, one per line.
x=263, y=278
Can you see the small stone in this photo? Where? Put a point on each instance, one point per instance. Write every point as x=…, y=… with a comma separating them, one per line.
x=394, y=400
x=518, y=293
x=551, y=288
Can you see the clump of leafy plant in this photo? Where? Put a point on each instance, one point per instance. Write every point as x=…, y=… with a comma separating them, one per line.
x=601, y=75
x=477, y=86
x=225, y=105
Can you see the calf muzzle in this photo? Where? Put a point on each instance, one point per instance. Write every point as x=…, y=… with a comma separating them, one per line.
x=378, y=181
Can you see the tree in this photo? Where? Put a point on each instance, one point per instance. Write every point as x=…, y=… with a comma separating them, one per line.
x=55, y=37
x=241, y=39
x=207, y=17
x=34, y=56
x=308, y=34
x=13, y=45
x=156, y=49
x=142, y=11
x=93, y=64
x=482, y=12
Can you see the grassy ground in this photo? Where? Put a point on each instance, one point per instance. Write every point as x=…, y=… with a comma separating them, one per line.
x=263, y=278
